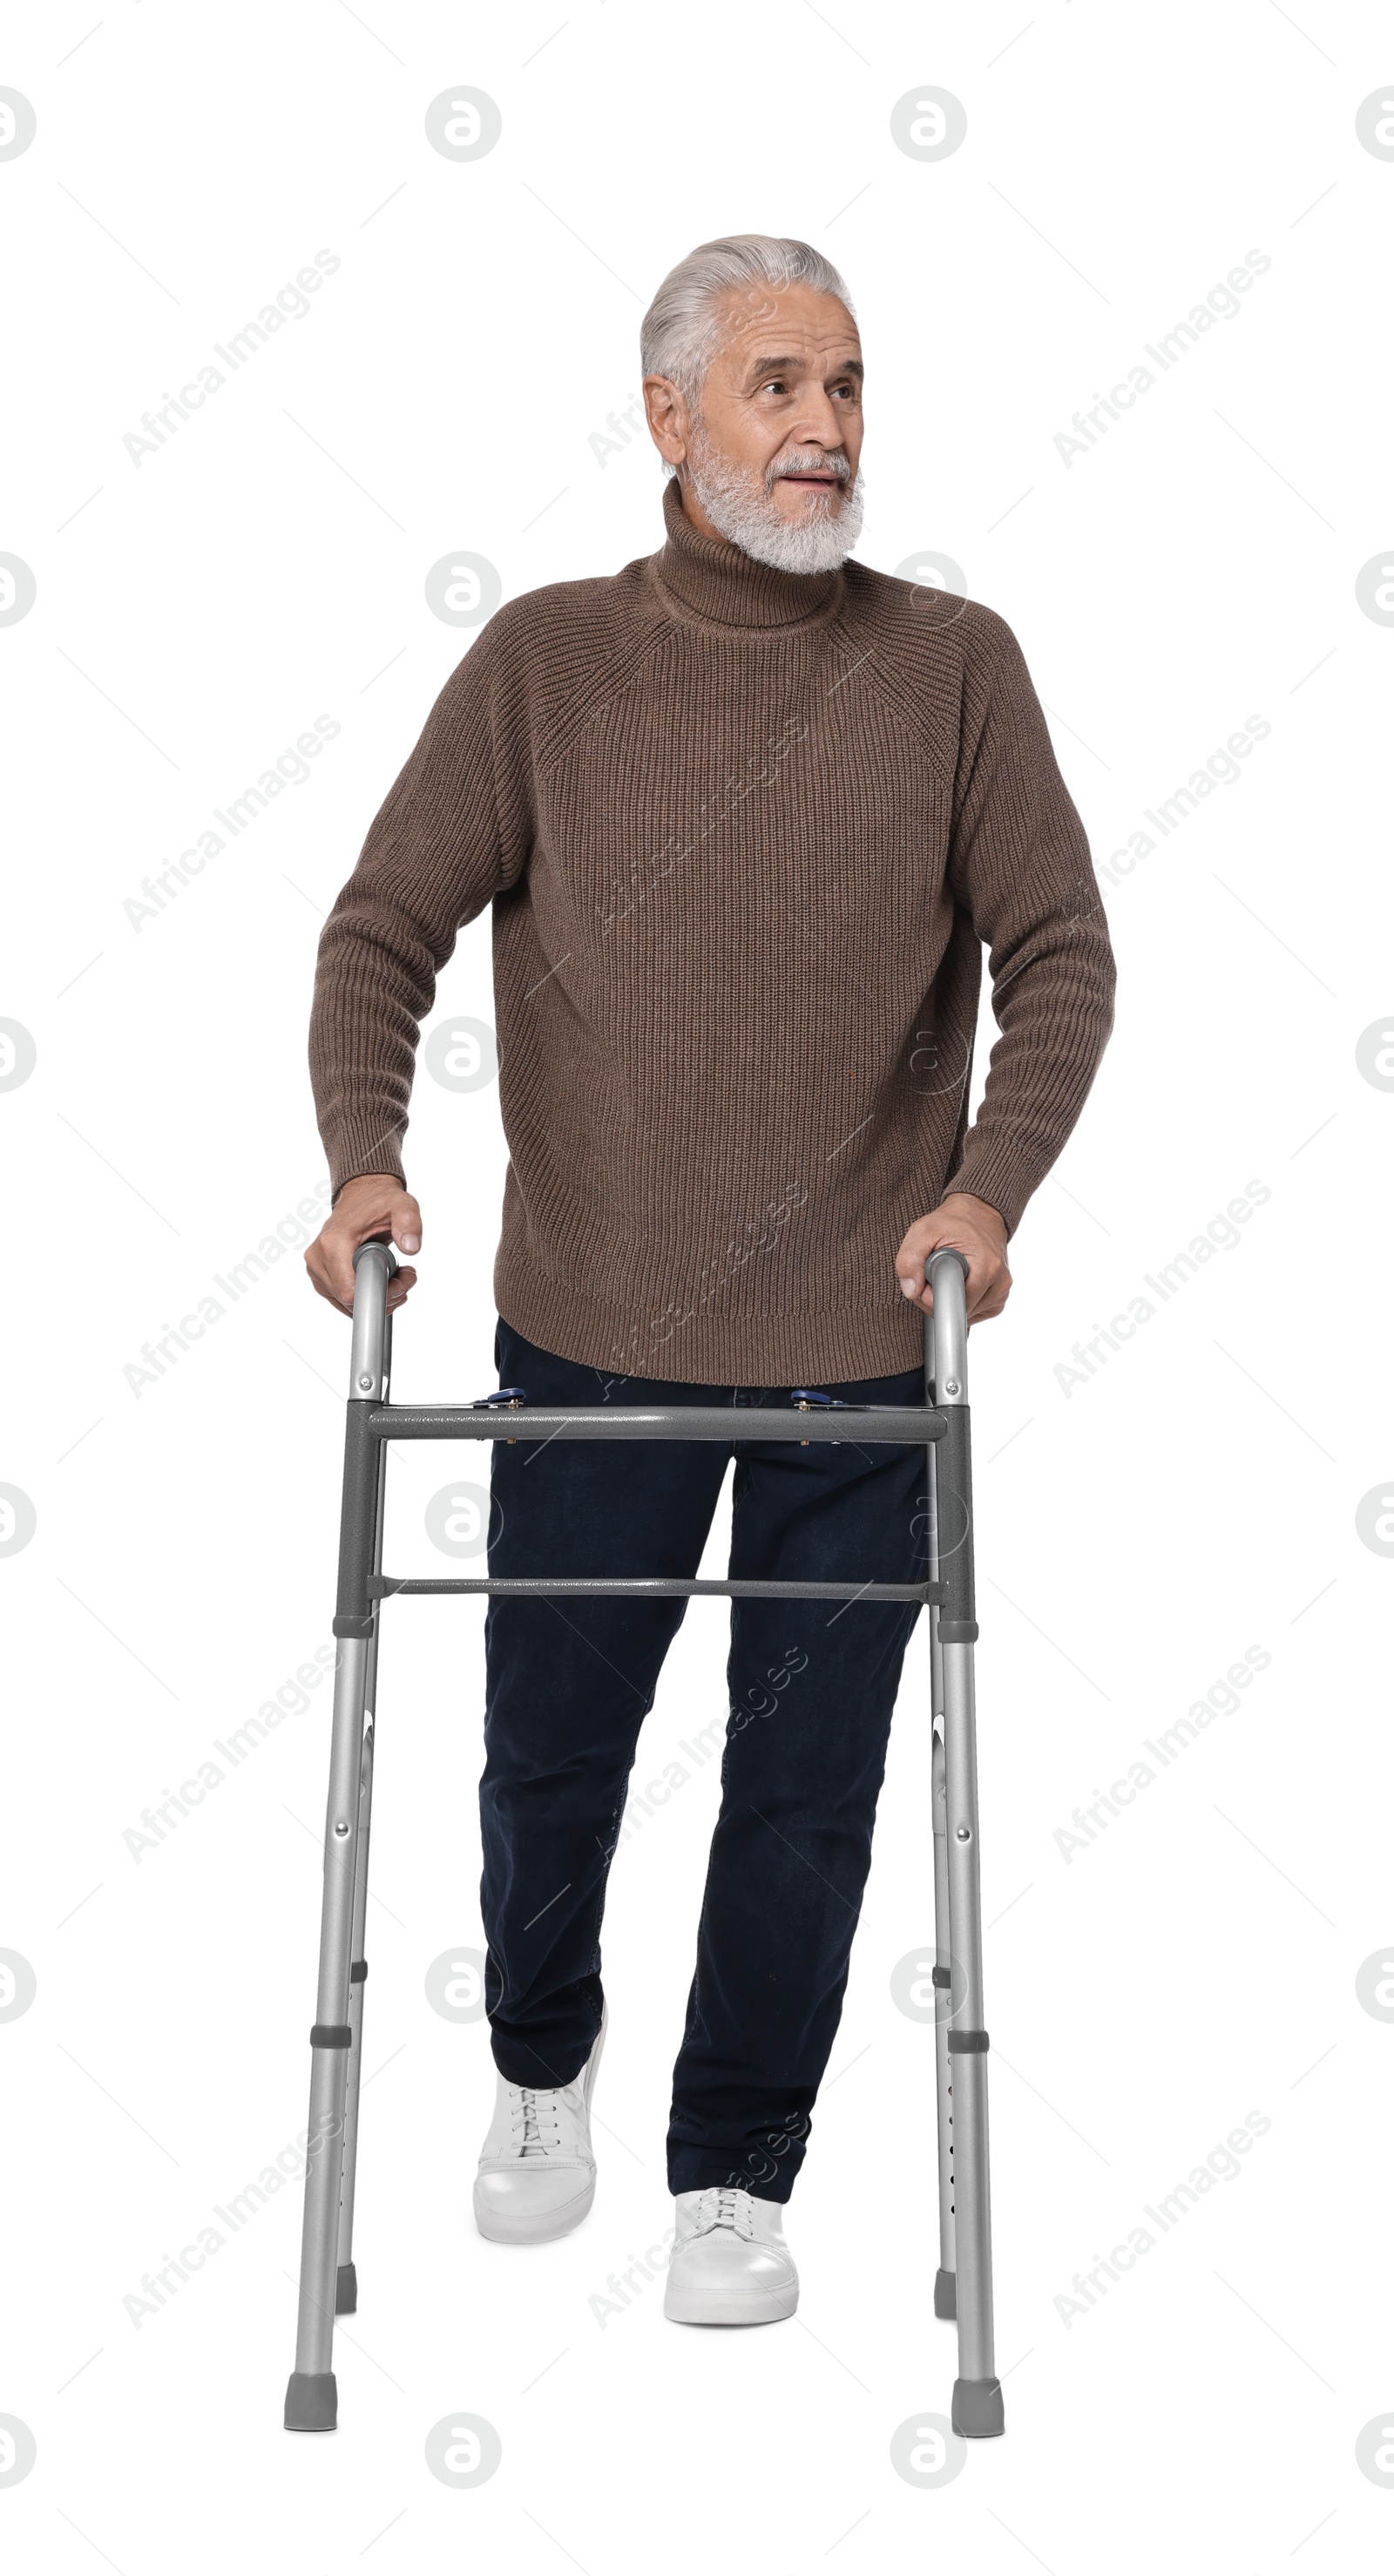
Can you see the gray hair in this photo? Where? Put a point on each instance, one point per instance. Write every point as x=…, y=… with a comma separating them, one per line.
x=680, y=332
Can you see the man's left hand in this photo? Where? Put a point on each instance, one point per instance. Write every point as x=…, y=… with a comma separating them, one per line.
x=972, y=1228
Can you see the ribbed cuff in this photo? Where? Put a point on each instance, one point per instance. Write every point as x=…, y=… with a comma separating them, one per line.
x=350, y=1160
x=992, y=1172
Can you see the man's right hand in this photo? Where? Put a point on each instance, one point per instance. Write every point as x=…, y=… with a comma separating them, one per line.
x=374, y=1203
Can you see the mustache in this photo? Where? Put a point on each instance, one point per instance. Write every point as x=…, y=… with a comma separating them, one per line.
x=821, y=461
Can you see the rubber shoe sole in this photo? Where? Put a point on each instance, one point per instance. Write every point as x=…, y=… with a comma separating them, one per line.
x=538, y=2230
x=715, y=2307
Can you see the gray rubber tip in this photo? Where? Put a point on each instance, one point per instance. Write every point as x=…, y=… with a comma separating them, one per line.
x=945, y=2294
x=312, y=2402
x=346, y=2291
x=977, y=2408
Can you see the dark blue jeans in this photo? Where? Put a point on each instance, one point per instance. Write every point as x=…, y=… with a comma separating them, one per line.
x=811, y=1686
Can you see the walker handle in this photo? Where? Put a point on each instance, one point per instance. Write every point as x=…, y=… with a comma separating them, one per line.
x=372, y=1325
x=946, y=1330
x=378, y=1243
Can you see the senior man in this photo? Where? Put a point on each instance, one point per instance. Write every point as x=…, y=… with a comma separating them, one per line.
x=746, y=813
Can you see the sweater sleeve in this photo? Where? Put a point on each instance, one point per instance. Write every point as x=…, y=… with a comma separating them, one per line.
x=451, y=835
x=1019, y=866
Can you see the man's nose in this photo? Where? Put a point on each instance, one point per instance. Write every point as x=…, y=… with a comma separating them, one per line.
x=820, y=425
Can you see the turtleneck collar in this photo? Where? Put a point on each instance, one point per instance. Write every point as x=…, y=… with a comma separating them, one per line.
x=723, y=584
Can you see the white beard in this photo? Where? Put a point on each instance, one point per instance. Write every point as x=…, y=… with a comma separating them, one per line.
x=747, y=513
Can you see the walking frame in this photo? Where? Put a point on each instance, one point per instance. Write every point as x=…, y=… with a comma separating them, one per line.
x=963, y=2287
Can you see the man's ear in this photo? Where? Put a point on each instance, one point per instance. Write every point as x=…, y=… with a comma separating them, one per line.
x=666, y=413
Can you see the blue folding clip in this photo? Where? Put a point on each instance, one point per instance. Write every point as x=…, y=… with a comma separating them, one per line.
x=805, y=1396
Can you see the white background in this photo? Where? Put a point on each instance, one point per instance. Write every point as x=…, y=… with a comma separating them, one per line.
x=1196, y=1496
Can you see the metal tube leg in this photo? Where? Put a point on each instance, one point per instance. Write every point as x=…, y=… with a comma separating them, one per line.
x=977, y=2397
x=346, y=2277
x=311, y=2397
x=346, y=2280
x=312, y=2401
x=945, y=2300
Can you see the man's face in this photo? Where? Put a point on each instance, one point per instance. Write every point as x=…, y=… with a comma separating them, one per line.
x=772, y=450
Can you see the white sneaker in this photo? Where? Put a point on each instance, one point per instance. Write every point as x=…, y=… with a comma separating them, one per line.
x=729, y=2264
x=536, y=2174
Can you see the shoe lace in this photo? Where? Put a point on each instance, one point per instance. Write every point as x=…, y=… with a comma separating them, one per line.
x=535, y=2113
x=721, y=2206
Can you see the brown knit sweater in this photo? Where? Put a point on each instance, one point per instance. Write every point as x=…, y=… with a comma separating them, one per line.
x=744, y=833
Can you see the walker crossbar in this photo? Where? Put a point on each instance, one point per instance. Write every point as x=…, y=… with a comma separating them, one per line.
x=866, y=1422
x=963, y=2290
x=658, y=1587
